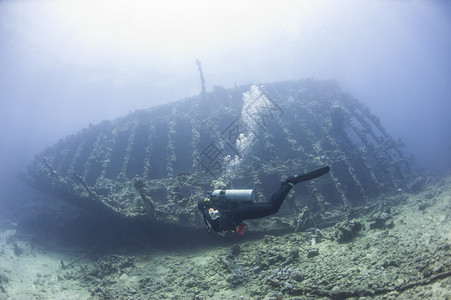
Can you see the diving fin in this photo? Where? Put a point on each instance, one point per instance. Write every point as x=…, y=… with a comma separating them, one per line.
x=309, y=176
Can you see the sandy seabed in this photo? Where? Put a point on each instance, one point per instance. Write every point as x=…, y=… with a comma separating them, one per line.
x=401, y=251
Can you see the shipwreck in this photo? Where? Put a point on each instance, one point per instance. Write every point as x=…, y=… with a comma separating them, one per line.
x=155, y=164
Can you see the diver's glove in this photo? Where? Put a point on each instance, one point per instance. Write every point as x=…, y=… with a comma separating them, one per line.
x=305, y=177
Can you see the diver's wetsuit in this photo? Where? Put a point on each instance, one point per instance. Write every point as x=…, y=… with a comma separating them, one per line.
x=245, y=211
x=232, y=214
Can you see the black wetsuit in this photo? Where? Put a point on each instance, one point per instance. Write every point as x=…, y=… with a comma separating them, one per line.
x=232, y=214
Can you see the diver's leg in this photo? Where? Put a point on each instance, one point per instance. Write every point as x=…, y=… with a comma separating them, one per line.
x=259, y=210
x=279, y=196
x=246, y=211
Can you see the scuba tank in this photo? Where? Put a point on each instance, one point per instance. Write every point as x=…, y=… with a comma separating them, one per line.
x=234, y=195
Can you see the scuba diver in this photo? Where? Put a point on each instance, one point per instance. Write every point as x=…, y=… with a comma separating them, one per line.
x=225, y=210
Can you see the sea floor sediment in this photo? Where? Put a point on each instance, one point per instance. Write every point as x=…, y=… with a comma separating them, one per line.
x=403, y=252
